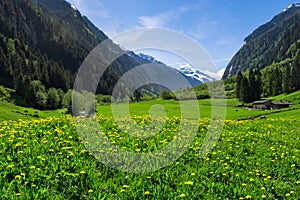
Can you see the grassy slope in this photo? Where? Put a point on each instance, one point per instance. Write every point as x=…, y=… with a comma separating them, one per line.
x=172, y=108
x=9, y=111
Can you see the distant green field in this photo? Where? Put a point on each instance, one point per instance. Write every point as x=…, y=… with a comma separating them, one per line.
x=233, y=111
x=9, y=111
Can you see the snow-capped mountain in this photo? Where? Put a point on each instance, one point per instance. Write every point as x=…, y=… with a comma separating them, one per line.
x=294, y=5
x=195, y=76
x=192, y=72
x=150, y=58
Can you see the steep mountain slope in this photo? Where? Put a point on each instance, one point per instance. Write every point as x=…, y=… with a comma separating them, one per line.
x=272, y=42
x=47, y=40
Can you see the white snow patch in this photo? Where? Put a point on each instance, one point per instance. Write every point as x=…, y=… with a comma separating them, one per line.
x=73, y=7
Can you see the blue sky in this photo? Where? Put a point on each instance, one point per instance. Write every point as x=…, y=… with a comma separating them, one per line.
x=220, y=26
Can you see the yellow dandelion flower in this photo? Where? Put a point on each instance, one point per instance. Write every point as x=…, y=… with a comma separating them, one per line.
x=147, y=193
x=188, y=183
x=17, y=176
x=32, y=167
x=182, y=195
x=263, y=196
x=248, y=197
x=10, y=166
x=90, y=191
x=288, y=194
x=193, y=174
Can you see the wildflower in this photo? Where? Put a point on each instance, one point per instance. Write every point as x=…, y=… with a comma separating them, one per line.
x=182, y=195
x=18, y=176
x=82, y=172
x=248, y=197
x=147, y=193
x=263, y=196
x=10, y=166
x=193, y=174
x=251, y=179
x=126, y=186
x=32, y=167
x=288, y=194
x=188, y=183
x=90, y=191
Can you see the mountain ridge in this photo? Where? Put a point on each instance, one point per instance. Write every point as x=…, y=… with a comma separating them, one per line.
x=271, y=42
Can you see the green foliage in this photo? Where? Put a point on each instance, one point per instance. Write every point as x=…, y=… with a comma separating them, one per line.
x=103, y=99
x=40, y=98
x=53, y=100
x=272, y=42
x=166, y=95
x=5, y=94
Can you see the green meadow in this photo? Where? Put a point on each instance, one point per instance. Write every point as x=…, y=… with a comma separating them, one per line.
x=45, y=157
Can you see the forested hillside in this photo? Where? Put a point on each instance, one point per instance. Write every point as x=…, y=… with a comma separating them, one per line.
x=43, y=43
x=273, y=42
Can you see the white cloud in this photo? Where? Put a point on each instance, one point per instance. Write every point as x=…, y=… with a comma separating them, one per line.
x=159, y=20
x=217, y=75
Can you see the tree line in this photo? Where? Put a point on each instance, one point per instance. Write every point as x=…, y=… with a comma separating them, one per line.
x=278, y=78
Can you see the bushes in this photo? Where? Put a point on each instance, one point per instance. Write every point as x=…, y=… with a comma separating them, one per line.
x=166, y=95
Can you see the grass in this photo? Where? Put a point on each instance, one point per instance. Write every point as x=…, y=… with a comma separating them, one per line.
x=233, y=111
x=47, y=158
x=9, y=111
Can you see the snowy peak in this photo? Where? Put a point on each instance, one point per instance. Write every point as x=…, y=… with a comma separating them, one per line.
x=294, y=5
x=192, y=72
x=187, y=70
x=149, y=58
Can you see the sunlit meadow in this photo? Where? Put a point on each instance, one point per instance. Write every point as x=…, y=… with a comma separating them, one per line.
x=253, y=159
